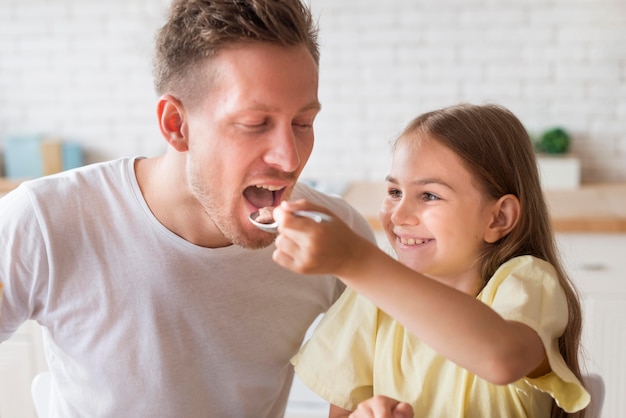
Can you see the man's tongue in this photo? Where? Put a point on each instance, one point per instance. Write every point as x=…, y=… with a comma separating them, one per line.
x=259, y=197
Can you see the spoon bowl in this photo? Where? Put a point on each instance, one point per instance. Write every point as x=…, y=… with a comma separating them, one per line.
x=272, y=227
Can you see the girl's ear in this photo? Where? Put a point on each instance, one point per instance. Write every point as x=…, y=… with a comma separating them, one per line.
x=171, y=114
x=506, y=212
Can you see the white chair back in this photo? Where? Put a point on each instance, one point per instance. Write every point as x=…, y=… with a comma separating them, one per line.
x=595, y=385
x=40, y=391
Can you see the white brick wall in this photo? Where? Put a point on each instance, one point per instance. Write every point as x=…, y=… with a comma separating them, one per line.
x=81, y=69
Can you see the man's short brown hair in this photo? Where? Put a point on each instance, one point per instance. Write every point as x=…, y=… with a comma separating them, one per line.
x=198, y=29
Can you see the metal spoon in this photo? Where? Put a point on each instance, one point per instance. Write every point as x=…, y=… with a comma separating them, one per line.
x=273, y=226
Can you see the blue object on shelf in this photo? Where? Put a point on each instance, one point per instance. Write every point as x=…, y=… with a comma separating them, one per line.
x=30, y=156
x=22, y=156
x=71, y=155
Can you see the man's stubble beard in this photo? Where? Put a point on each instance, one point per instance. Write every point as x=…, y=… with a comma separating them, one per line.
x=226, y=223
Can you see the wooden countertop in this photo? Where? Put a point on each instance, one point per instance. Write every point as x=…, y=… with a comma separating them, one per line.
x=591, y=208
x=6, y=185
x=599, y=208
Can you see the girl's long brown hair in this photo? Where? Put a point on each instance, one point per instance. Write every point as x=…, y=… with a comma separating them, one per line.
x=497, y=149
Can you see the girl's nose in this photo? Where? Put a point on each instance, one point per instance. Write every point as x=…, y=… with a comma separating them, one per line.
x=404, y=213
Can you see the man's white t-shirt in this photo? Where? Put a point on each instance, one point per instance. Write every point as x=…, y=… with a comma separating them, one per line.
x=139, y=322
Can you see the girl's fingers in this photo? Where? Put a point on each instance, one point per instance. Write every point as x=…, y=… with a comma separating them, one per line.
x=403, y=410
x=382, y=407
x=282, y=255
x=290, y=254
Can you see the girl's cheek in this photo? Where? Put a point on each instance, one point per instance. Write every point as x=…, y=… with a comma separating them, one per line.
x=385, y=213
x=385, y=216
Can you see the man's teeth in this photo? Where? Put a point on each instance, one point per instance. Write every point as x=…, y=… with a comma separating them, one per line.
x=412, y=241
x=266, y=187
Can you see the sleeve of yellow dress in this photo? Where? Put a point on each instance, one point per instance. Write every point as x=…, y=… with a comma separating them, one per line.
x=527, y=290
x=336, y=363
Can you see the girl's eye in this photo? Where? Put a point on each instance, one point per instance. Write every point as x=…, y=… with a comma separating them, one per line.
x=394, y=193
x=429, y=196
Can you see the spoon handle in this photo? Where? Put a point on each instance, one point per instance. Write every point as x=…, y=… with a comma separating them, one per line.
x=318, y=217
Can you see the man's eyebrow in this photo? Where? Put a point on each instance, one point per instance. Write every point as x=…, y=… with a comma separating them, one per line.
x=314, y=105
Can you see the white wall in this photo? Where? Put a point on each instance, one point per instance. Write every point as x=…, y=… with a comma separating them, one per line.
x=81, y=69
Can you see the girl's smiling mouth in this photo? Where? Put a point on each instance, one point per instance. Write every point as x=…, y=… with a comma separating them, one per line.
x=413, y=241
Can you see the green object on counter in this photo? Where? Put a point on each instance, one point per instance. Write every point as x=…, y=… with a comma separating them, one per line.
x=553, y=141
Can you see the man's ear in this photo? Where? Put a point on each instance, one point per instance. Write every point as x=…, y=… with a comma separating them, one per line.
x=505, y=212
x=171, y=114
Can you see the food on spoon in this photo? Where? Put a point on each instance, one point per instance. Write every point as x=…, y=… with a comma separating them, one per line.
x=266, y=215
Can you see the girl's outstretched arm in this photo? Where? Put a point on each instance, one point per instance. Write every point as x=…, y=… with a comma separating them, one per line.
x=454, y=323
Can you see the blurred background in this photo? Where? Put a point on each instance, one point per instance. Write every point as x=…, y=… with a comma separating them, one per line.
x=76, y=87
x=81, y=70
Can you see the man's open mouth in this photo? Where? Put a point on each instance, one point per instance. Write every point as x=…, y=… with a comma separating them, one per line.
x=262, y=195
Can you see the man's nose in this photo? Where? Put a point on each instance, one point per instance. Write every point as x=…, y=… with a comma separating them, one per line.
x=283, y=152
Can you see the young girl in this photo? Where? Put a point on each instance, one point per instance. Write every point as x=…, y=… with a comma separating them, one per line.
x=478, y=318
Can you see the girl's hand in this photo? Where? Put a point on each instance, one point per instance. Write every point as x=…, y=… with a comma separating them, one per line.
x=308, y=247
x=382, y=407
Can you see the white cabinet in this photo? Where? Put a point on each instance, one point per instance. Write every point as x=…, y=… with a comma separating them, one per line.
x=21, y=358
x=597, y=265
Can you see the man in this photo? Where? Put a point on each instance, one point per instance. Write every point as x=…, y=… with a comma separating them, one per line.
x=156, y=294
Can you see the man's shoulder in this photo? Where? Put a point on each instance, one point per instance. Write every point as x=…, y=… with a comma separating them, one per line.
x=82, y=176
x=93, y=182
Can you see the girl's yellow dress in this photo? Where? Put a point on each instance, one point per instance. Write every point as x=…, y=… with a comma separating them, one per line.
x=358, y=351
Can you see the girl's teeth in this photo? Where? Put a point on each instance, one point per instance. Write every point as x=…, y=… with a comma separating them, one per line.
x=412, y=241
